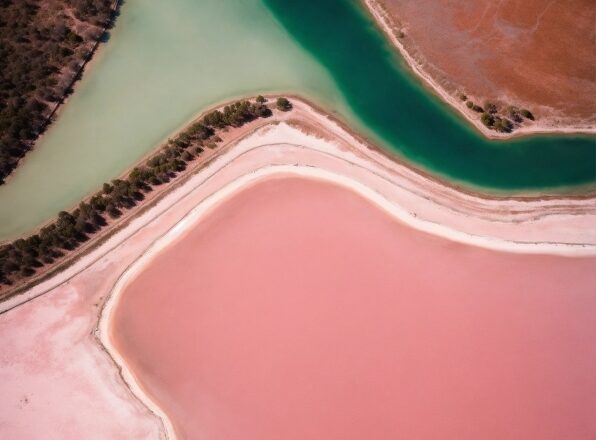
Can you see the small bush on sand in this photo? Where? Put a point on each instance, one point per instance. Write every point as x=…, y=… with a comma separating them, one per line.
x=527, y=114
x=283, y=104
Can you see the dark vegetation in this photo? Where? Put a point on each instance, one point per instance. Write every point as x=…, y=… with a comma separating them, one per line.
x=495, y=118
x=43, y=46
x=527, y=114
x=24, y=257
x=283, y=104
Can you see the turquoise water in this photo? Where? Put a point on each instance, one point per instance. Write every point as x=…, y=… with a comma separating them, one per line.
x=342, y=38
x=168, y=60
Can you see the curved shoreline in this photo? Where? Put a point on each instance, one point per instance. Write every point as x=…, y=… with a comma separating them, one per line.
x=308, y=113
x=191, y=219
x=196, y=215
x=312, y=145
x=141, y=161
x=380, y=17
x=102, y=336
x=478, y=214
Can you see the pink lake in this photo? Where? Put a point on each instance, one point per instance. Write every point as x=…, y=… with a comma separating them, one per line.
x=299, y=310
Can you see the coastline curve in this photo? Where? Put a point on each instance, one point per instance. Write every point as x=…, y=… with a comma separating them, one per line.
x=192, y=218
x=557, y=225
x=312, y=145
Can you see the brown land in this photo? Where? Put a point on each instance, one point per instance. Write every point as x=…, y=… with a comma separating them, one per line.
x=539, y=55
x=61, y=36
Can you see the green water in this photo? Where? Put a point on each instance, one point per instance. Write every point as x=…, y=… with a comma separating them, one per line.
x=168, y=60
x=420, y=127
x=165, y=61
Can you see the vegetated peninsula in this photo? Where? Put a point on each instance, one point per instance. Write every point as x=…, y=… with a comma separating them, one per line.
x=24, y=257
x=509, y=65
x=44, y=45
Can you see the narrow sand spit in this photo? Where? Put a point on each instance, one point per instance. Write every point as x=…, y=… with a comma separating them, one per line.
x=306, y=144
x=549, y=124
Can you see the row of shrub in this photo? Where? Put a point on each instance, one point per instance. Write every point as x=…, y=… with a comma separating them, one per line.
x=23, y=257
x=491, y=117
x=42, y=48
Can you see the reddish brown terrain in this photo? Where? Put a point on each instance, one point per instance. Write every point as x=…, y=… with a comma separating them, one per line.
x=534, y=54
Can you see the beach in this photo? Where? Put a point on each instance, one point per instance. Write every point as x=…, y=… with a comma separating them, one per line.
x=452, y=204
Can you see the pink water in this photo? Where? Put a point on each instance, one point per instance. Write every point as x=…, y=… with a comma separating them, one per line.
x=298, y=310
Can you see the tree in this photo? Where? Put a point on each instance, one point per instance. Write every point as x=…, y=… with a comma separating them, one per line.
x=513, y=113
x=487, y=119
x=261, y=99
x=20, y=258
x=283, y=104
x=187, y=157
x=527, y=114
x=43, y=32
x=201, y=131
x=490, y=107
x=503, y=125
x=113, y=211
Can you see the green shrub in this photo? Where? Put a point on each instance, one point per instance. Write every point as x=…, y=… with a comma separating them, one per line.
x=527, y=114
x=490, y=107
x=487, y=119
x=22, y=256
x=283, y=104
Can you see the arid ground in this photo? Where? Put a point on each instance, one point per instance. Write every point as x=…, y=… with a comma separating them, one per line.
x=530, y=53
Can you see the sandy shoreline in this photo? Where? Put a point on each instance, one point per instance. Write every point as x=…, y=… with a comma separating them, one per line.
x=305, y=113
x=311, y=145
x=551, y=224
x=491, y=209
x=384, y=22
